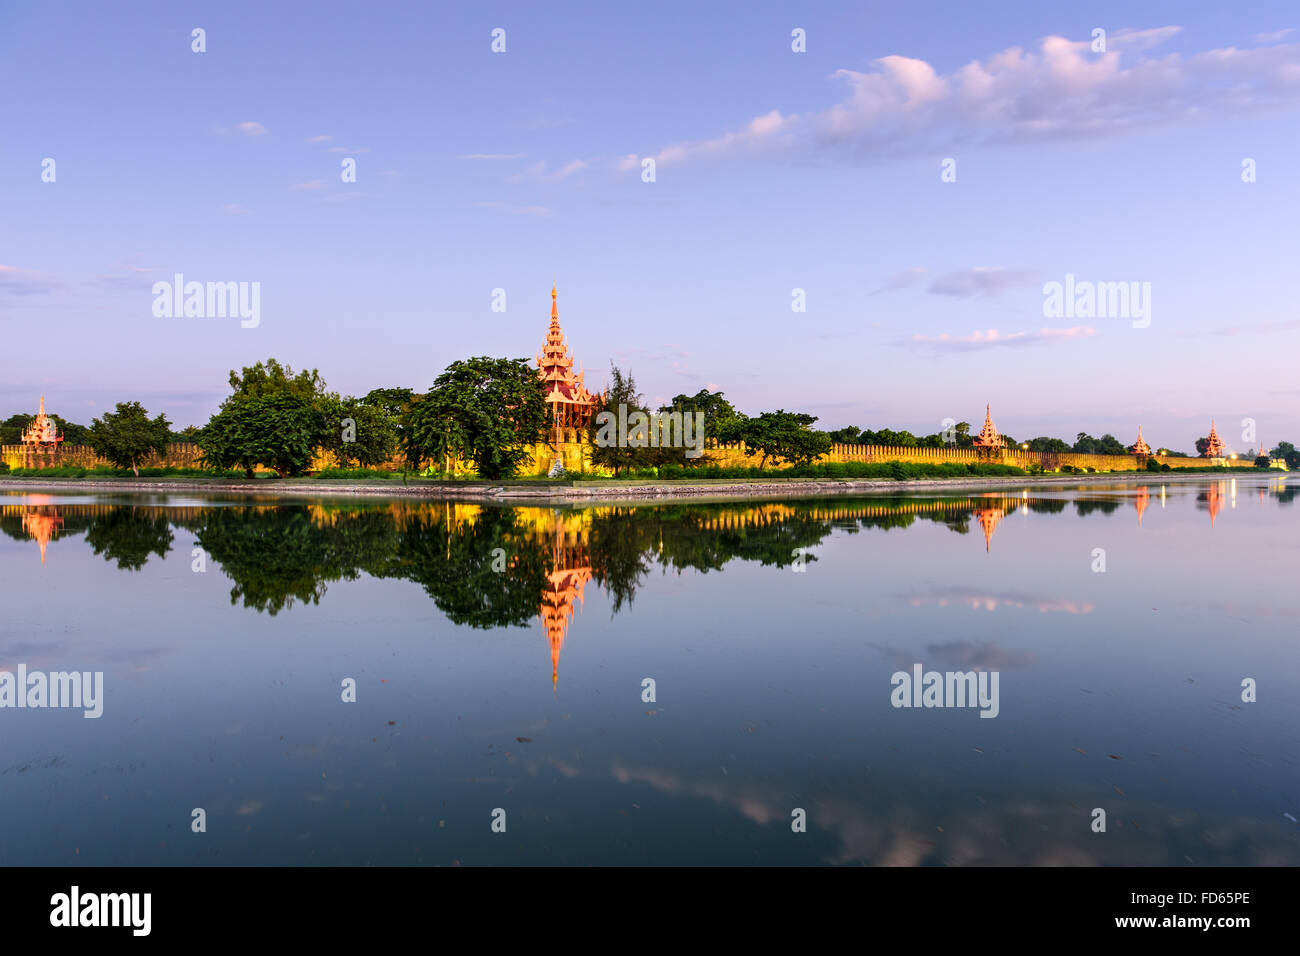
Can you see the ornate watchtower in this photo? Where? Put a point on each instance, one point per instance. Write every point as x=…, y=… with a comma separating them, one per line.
x=571, y=405
x=41, y=438
x=989, y=443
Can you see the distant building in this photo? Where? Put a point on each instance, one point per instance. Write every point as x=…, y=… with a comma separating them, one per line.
x=41, y=431
x=988, y=440
x=1214, y=446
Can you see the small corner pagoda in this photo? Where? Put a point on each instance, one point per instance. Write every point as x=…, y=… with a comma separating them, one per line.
x=571, y=403
x=40, y=437
x=1140, y=447
x=989, y=441
x=1214, y=446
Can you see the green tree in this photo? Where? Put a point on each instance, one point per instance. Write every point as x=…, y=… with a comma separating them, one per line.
x=848, y=435
x=73, y=434
x=280, y=431
x=272, y=417
x=1043, y=443
x=603, y=431
x=357, y=433
x=1110, y=445
x=720, y=418
x=11, y=429
x=128, y=436
x=271, y=378
x=392, y=400
x=483, y=409
x=784, y=436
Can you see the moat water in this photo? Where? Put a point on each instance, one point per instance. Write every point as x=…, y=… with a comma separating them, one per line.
x=1144, y=640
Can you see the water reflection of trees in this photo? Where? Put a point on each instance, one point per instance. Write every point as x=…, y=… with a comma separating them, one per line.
x=277, y=555
x=491, y=567
x=122, y=534
x=129, y=536
x=486, y=572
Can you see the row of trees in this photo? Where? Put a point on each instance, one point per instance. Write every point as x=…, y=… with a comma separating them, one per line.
x=488, y=411
x=775, y=437
x=1083, y=443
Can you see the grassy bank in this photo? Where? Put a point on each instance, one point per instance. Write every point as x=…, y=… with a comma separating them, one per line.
x=73, y=471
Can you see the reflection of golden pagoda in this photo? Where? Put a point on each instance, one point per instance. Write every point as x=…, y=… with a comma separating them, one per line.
x=1140, y=447
x=570, y=402
x=42, y=525
x=1215, y=500
x=1143, y=498
x=1214, y=447
x=564, y=587
x=988, y=519
x=988, y=440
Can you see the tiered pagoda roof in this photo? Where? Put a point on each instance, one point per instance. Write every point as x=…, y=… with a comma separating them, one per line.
x=41, y=431
x=988, y=436
x=555, y=366
x=1215, y=447
x=1140, y=447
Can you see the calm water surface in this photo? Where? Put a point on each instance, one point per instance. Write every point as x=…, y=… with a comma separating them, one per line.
x=499, y=656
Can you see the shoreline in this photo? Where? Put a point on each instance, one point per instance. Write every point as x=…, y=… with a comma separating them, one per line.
x=584, y=492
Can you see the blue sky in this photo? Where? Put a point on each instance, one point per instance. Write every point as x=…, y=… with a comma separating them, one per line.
x=775, y=170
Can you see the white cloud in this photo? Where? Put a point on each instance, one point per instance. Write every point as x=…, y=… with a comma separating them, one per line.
x=494, y=156
x=1277, y=36
x=323, y=138
x=1060, y=91
x=17, y=281
x=308, y=187
x=540, y=172
x=901, y=280
x=251, y=129
x=993, y=338
x=982, y=280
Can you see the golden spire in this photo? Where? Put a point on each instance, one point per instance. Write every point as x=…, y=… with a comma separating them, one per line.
x=1214, y=445
x=988, y=436
x=555, y=315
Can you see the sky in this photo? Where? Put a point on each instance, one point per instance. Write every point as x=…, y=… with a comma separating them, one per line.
x=774, y=171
